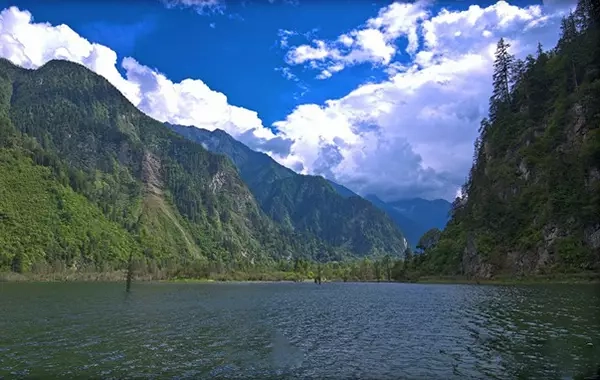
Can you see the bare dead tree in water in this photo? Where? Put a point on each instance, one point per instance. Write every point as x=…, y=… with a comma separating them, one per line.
x=129, y=273
x=319, y=274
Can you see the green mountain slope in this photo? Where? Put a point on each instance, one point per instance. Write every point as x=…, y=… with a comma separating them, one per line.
x=533, y=196
x=413, y=216
x=43, y=221
x=343, y=190
x=427, y=213
x=307, y=204
x=105, y=181
x=411, y=229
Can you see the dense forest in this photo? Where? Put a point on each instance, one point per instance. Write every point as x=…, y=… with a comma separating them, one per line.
x=88, y=182
x=531, y=203
x=305, y=203
x=322, y=207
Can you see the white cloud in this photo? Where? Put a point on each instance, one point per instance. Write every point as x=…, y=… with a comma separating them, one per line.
x=284, y=36
x=374, y=42
x=410, y=135
x=189, y=102
x=200, y=6
x=287, y=73
x=413, y=133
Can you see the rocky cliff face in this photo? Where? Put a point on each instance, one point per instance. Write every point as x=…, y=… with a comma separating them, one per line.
x=565, y=235
x=532, y=203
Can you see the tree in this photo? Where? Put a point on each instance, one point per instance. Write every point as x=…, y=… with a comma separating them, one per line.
x=566, y=43
x=387, y=265
x=503, y=65
x=429, y=240
x=17, y=263
x=540, y=50
x=377, y=267
x=583, y=16
x=408, y=257
x=398, y=270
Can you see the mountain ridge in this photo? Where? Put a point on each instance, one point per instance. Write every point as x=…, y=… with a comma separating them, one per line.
x=167, y=200
x=304, y=202
x=413, y=224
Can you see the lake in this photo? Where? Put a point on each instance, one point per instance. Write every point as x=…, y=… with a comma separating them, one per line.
x=294, y=331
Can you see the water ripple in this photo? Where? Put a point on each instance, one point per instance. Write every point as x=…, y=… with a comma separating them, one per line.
x=298, y=331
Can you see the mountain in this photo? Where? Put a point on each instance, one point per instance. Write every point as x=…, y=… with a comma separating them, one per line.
x=343, y=190
x=86, y=180
x=427, y=213
x=415, y=216
x=532, y=203
x=412, y=230
x=303, y=203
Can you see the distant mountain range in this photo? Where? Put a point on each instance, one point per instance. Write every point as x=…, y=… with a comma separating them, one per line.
x=305, y=203
x=265, y=176
x=414, y=216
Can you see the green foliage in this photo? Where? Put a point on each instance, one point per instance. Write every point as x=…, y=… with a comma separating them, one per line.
x=42, y=221
x=536, y=163
x=169, y=198
x=87, y=180
x=307, y=204
x=429, y=240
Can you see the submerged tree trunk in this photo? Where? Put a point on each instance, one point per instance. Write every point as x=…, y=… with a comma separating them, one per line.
x=129, y=273
x=319, y=273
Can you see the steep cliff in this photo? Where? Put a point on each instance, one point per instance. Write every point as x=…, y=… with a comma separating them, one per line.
x=532, y=200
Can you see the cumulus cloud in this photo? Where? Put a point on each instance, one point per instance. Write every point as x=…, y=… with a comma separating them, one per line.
x=374, y=42
x=409, y=135
x=413, y=133
x=189, y=102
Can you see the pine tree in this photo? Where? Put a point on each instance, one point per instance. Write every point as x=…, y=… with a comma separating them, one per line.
x=583, y=15
x=568, y=31
x=566, y=43
x=503, y=64
x=540, y=50
x=517, y=73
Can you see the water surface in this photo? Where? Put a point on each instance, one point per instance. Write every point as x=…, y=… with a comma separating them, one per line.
x=298, y=331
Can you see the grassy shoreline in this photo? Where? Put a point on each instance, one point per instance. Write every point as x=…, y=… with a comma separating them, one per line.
x=120, y=276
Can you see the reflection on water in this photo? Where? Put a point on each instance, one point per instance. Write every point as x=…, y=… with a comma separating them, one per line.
x=372, y=331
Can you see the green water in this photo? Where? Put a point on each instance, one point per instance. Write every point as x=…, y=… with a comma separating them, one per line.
x=333, y=331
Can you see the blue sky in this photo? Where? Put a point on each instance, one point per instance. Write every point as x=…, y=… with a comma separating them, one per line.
x=235, y=51
x=349, y=111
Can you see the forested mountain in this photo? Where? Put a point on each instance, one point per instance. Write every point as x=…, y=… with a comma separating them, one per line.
x=343, y=190
x=415, y=216
x=429, y=213
x=86, y=179
x=307, y=204
x=532, y=202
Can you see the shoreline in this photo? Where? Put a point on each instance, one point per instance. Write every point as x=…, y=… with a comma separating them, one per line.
x=558, y=278
x=120, y=276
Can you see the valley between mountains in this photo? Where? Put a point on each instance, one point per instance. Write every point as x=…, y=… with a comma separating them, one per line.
x=90, y=184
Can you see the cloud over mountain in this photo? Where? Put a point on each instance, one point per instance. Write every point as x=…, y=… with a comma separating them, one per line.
x=410, y=134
